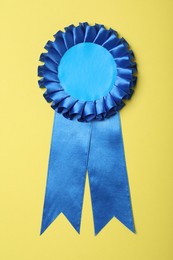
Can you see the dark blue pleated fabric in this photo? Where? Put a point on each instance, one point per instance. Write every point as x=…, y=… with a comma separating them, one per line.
x=84, y=110
x=87, y=130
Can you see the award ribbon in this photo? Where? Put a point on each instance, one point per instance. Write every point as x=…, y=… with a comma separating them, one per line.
x=88, y=71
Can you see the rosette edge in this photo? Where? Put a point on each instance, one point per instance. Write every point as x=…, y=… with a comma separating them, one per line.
x=63, y=102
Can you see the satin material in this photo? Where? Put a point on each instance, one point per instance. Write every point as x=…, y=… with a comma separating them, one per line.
x=108, y=175
x=66, y=171
x=78, y=108
x=98, y=147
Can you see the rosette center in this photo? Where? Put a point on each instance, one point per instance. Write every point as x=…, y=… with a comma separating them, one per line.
x=87, y=71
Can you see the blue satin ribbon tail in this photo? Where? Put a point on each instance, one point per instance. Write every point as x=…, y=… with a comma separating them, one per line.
x=108, y=175
x=98, y=147
x=66, y=171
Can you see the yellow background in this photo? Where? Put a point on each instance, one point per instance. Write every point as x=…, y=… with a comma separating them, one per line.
x=26, y=127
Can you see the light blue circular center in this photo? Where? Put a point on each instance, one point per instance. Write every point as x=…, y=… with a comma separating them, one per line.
x=87, y=71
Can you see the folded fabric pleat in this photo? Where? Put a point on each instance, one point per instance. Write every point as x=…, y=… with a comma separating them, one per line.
x=89, y=110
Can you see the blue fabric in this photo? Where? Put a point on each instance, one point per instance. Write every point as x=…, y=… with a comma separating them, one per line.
x=66, y=171
x=87, y=71
x=108, y=175
x=73, y=101
x=98, y=147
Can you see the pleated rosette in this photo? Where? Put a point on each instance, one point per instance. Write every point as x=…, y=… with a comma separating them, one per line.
x=105, y=106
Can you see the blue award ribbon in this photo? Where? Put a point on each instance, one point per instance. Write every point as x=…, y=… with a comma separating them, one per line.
x=96, y=147
x=88, y=71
